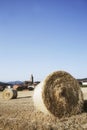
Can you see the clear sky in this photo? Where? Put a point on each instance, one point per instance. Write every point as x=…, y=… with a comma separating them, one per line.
x=41, y=36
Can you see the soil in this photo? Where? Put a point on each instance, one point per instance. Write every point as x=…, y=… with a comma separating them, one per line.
x=20, y=114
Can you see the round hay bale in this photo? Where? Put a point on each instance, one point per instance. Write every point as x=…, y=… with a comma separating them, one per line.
x=59, y=94
x=9, y=94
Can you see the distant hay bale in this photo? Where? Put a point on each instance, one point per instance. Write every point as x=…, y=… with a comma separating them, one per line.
x=59, y=94
x=9, y=93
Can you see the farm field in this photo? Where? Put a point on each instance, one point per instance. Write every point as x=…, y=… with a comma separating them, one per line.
x=20, y=114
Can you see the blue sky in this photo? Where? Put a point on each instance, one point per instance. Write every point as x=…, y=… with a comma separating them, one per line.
x=41, y=36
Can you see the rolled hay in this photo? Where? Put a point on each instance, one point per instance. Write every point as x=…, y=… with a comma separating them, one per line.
x=9, y=93
x=59, y=94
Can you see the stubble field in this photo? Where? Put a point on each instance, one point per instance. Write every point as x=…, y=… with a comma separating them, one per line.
x=20, y=114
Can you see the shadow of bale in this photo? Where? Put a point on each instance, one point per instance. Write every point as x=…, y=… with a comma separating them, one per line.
x=85, y=105
x=24, y=97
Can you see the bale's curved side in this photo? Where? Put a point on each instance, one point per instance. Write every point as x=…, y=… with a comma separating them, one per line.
x=15, y=94
x=38, y=100
x=9, y=94
x=61, y=94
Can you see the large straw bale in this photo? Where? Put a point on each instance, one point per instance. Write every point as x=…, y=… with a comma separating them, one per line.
x=9, y=93
x=59, y=94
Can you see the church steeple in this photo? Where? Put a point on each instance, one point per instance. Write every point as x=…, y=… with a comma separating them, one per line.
x=32, y=78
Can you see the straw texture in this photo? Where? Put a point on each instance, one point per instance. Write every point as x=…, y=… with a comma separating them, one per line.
x=61, y=95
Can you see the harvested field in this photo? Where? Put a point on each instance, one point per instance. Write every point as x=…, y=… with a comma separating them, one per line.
x=20, y=114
